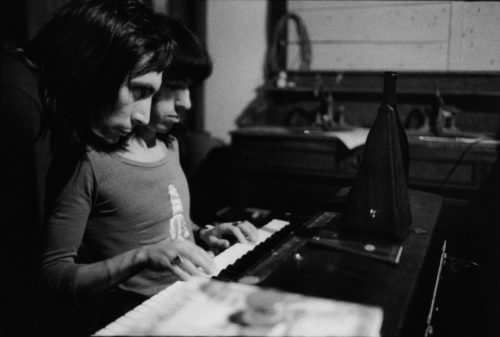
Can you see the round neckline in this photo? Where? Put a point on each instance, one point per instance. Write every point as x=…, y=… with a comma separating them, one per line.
x=129, y=161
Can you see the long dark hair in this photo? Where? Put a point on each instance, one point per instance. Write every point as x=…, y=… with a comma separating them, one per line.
x=85, y=53
x=191, y=62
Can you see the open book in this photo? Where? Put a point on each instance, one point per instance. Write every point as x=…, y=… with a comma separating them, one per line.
x=214, y=308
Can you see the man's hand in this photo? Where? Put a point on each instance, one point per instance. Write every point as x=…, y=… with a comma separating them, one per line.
x=217, y=237
x=184, y=258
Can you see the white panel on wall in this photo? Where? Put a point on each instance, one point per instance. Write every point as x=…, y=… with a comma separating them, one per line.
x=399, y=35
x=372, y=21
x=374, y=35
x=379, y=57
x=481, y=36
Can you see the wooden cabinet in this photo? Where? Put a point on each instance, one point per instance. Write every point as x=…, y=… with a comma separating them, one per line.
x=289, y=169
x=448, y=166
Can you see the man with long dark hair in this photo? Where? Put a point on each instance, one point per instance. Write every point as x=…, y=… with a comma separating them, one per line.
x=66, y=82
x=118, y=227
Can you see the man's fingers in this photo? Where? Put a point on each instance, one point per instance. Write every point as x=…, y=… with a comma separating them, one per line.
x=237, y=233
x=249, y=230
x=181, y=273
x=193, y=270
x=197, y=257
x=186, y=269
x=217, y=243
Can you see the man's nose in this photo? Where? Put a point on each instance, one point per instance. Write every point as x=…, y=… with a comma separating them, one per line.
x=142, y=115
x=183, y=99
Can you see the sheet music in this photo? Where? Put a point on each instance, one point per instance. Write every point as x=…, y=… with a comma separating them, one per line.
x=202, y=307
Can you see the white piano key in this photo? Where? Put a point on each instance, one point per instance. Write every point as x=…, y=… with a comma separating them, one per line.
x=275, y=225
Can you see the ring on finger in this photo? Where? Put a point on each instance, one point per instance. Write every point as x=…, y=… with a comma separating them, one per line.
x=176, y=261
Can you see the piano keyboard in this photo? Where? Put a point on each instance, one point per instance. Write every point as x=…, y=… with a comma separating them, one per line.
x=230, y=255
x=150, y=311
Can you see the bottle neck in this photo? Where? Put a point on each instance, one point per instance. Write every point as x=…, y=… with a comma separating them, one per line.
x=389, y=91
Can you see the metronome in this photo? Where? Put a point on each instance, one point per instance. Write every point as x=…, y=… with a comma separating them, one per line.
x=378, y=203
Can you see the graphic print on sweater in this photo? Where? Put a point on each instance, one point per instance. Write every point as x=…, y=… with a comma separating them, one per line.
x=178, y=228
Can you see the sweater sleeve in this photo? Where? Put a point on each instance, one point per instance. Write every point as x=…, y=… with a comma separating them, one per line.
x=70, y=190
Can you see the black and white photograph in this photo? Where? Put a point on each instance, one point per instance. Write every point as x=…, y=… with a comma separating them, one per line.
x=250, y=168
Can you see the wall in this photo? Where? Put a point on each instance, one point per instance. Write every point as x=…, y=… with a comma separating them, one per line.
x=236, y=39
x=346, y=35
x=400, y=35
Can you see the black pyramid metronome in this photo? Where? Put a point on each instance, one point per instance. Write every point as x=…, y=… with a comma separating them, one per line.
x=378, y=203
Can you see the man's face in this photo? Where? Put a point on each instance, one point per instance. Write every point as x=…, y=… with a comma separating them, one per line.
x=169, y=104
x=132, y=108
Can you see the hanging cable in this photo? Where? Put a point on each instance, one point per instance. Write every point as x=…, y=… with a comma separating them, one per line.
x=278, y=47
x=459, y=161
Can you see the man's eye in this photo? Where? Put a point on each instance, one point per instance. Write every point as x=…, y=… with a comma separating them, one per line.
x=139, y=93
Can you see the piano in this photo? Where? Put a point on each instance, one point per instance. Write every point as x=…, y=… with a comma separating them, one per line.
x=284, y=259
x=237, y=250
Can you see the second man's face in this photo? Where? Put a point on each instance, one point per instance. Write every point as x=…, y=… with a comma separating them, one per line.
x=167, y=108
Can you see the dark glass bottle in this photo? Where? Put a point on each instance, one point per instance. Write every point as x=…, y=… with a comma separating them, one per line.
x=378, y=203
x=389, y=102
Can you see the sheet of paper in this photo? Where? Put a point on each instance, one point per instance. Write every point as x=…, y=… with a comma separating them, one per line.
x=351, y=138
x=214, y=308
